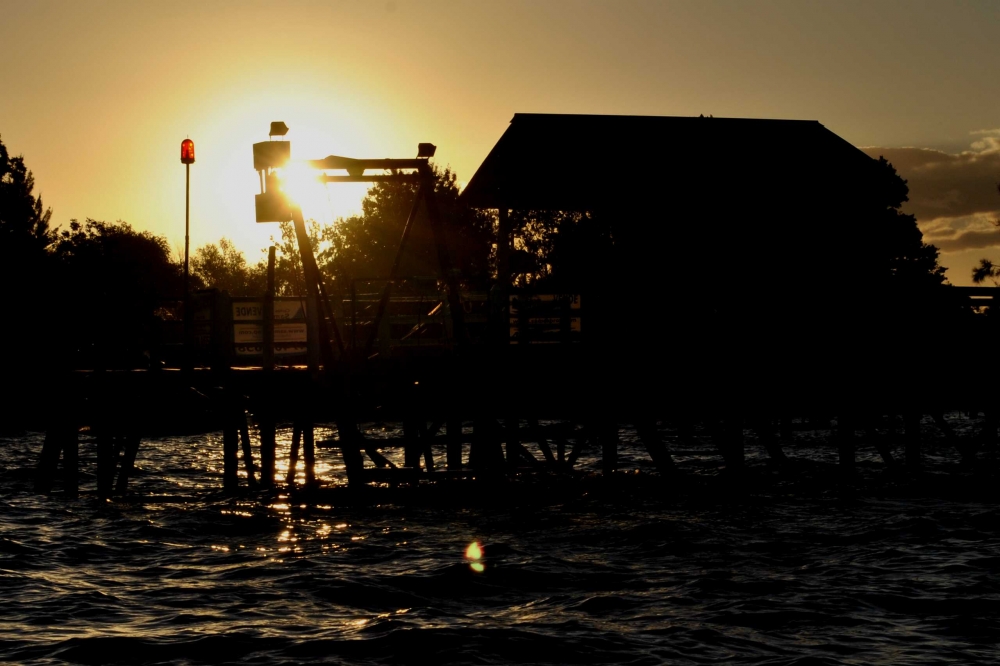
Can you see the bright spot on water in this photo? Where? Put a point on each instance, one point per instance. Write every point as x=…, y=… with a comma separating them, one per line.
x=474, y=553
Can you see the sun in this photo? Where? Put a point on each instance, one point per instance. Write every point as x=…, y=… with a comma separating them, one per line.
x=324, y=203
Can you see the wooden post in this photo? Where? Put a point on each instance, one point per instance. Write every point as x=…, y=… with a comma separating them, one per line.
x=132, y=441
x=543, y=444
x=766, y=436
x=247, y=450
x=71, y=462
x=504, y=234
x=608, y=436
x=350, y=439
x=312, y=332
x=426, y=440
x=230, y=449
x=845, y=443
x=649, y=434
x=728, y=435
x=268, y=445
x=513, y=438
x=411, y=446
x=293, y=453
x=105, y=464
x=309, y=452
x=453, y=432
x=268, y=362
x=48, y=459
x=911, y=424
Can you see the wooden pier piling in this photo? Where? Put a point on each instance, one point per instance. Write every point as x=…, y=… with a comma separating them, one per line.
x=453, y=454
x=911, y=430
x=230, y=453
x=293, y=454
x=248, y=463
x=845, y=443
x=129, y=453
x=309, y=453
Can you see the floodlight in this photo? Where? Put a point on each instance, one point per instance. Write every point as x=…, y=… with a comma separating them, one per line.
x=426, y=149
x=278, y=128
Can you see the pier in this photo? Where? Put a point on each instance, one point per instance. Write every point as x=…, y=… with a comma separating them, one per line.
x=521, y=378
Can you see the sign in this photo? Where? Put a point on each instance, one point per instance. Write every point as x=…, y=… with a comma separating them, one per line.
x=283, y=309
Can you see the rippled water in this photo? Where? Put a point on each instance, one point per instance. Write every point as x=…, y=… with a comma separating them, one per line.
x=790, y=569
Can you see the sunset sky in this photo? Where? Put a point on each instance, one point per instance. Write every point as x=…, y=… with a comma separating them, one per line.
x=97, y=96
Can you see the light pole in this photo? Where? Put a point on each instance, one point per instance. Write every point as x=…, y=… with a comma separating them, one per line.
x=187, y=159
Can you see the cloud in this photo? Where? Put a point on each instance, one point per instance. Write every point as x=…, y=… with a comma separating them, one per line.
x=954, y=197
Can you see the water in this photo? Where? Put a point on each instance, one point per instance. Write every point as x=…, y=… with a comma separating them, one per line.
x=792, y=571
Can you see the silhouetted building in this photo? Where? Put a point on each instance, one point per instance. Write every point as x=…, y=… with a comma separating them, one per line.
x=741, y=252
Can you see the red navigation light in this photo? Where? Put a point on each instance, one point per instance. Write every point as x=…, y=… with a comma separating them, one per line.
x=187, y=151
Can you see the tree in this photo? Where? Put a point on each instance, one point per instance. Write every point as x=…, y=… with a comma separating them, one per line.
x=113, y=278
x=364, y=246
x=222, y=266
x=897, y=253
x=24, y=220
x=987, y=270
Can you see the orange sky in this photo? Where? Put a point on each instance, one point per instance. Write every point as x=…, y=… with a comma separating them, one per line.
x=98, y=95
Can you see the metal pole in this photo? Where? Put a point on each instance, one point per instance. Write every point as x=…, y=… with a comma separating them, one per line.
x=187, y=282
x=187, y=226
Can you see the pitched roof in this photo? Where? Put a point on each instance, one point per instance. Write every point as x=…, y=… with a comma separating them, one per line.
x=583, y=162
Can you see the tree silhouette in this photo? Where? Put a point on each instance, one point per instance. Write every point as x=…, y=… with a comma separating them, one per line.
x=113, y=278
x=224, y=267
x=987, y=270
x=24, y=220
x=363, y=246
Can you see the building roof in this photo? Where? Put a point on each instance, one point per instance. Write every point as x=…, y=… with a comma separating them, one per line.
x=585, y=162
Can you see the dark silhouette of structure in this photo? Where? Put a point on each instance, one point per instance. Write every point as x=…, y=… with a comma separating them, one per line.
x=733, y=271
